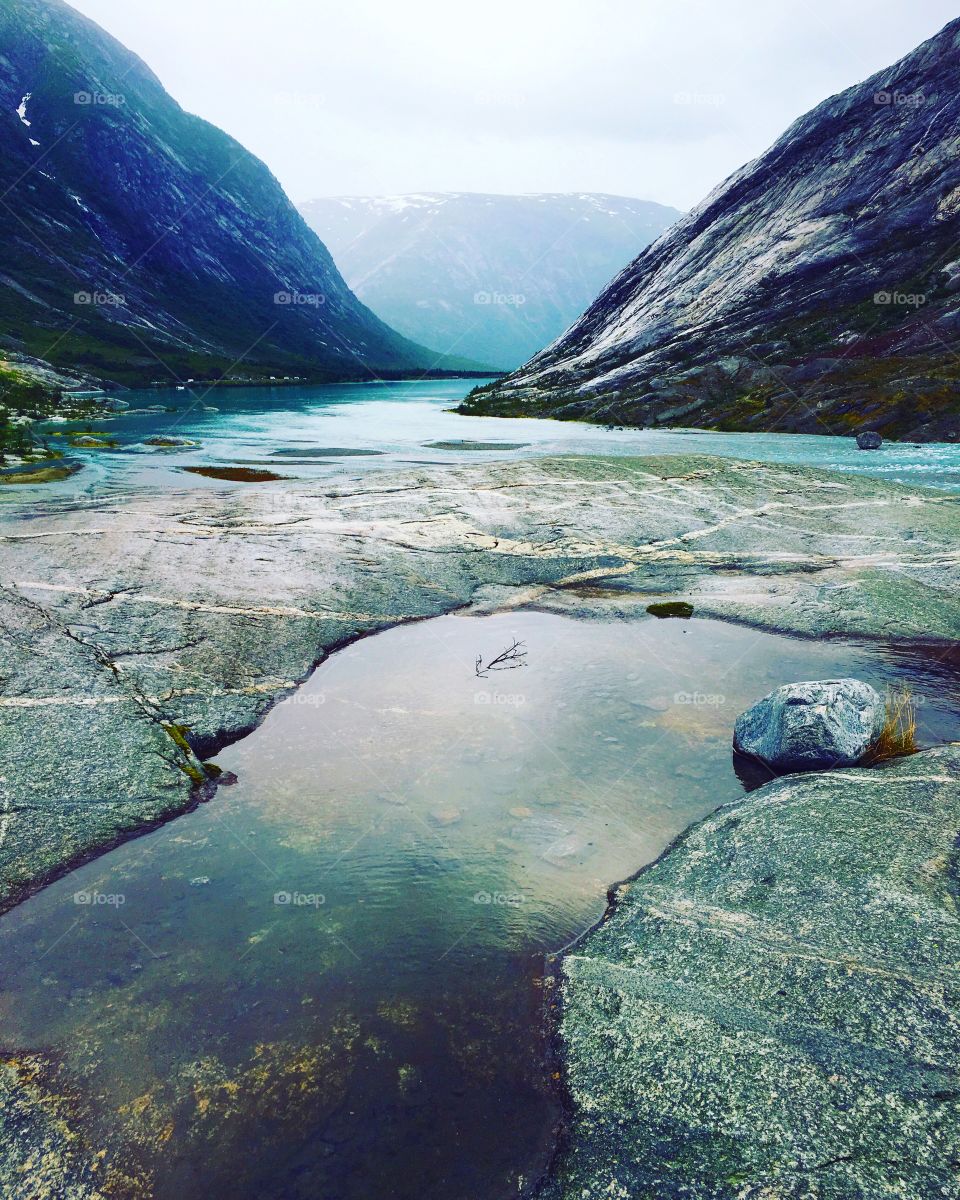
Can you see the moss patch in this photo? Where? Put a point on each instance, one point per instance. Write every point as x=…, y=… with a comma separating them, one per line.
x=674, y=608
x=40, y=474
x=87, y=441
x=236, y=474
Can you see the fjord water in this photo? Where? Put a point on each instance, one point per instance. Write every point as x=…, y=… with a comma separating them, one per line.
x=317, y=432
x=333, y=979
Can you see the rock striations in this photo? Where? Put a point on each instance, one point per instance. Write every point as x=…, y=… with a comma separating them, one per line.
x=816, y=290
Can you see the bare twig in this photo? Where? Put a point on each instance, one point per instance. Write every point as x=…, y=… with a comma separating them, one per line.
x=507, y=660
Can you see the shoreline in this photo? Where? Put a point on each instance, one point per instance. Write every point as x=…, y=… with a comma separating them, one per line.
x=242, y=709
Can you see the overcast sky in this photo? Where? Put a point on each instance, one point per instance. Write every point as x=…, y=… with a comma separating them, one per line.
x=656, y=100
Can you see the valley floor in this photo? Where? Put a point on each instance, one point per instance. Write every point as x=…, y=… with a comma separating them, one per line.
x=141, y=634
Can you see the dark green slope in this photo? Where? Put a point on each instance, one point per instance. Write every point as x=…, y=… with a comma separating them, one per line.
x=142, y=243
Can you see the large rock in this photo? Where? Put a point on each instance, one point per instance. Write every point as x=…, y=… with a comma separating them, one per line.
x=869, y=440
x=771, y=1009
x=824, y=723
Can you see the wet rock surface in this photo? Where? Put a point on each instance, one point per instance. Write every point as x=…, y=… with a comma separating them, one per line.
x=770, y=1009
x=823, y=724
x=197, y=611
x=141, y=634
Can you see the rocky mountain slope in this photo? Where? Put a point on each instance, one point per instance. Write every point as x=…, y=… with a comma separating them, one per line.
x=494, y=277
x=816, y=290
x=142, y=243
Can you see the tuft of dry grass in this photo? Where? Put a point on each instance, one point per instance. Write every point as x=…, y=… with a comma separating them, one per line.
x=899, y=735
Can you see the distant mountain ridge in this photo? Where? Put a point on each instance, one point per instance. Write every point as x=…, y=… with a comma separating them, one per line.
x=816, y=290
x=142, y=242
x=493, y=277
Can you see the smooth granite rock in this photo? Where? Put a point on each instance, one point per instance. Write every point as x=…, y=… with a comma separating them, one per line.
x=122, y=622
x=817, y=725
x=140, y=632
x=772, y=1010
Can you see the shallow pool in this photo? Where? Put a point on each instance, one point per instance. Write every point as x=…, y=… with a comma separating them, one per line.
x=334, y=979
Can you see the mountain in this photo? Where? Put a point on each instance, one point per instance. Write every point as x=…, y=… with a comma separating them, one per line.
x=494, y=277
x=141, y=242
x=817, y=290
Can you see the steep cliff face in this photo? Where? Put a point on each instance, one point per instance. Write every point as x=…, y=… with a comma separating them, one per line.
x=495, y=277
x=141, y=242
x=816, y=290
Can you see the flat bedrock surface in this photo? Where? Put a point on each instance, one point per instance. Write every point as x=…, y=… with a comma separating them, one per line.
x=127, y=622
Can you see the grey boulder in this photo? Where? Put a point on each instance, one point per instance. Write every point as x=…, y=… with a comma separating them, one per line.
x=868, y=440
x=820, y=724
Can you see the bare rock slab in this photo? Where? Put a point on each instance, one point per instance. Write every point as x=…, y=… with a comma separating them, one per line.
x=770, y=1010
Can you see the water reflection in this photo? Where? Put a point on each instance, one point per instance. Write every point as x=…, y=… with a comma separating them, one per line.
x=330, y=981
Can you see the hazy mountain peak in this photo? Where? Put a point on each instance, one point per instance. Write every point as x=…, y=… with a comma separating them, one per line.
x=495, y=277
x=144, y=242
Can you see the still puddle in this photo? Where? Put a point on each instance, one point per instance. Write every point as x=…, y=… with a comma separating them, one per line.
x=331, y=980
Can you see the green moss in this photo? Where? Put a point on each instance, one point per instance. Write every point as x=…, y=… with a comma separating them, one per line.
x=673, y=608
x=37, y=474
x=178, y=735
x=87, y=441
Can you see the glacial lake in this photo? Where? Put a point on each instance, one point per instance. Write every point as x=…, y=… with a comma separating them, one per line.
x=334, y=979
x=321, y=431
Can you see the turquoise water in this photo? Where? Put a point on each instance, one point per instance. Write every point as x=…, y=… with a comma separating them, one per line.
x=335, y=979
x=302, y=432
